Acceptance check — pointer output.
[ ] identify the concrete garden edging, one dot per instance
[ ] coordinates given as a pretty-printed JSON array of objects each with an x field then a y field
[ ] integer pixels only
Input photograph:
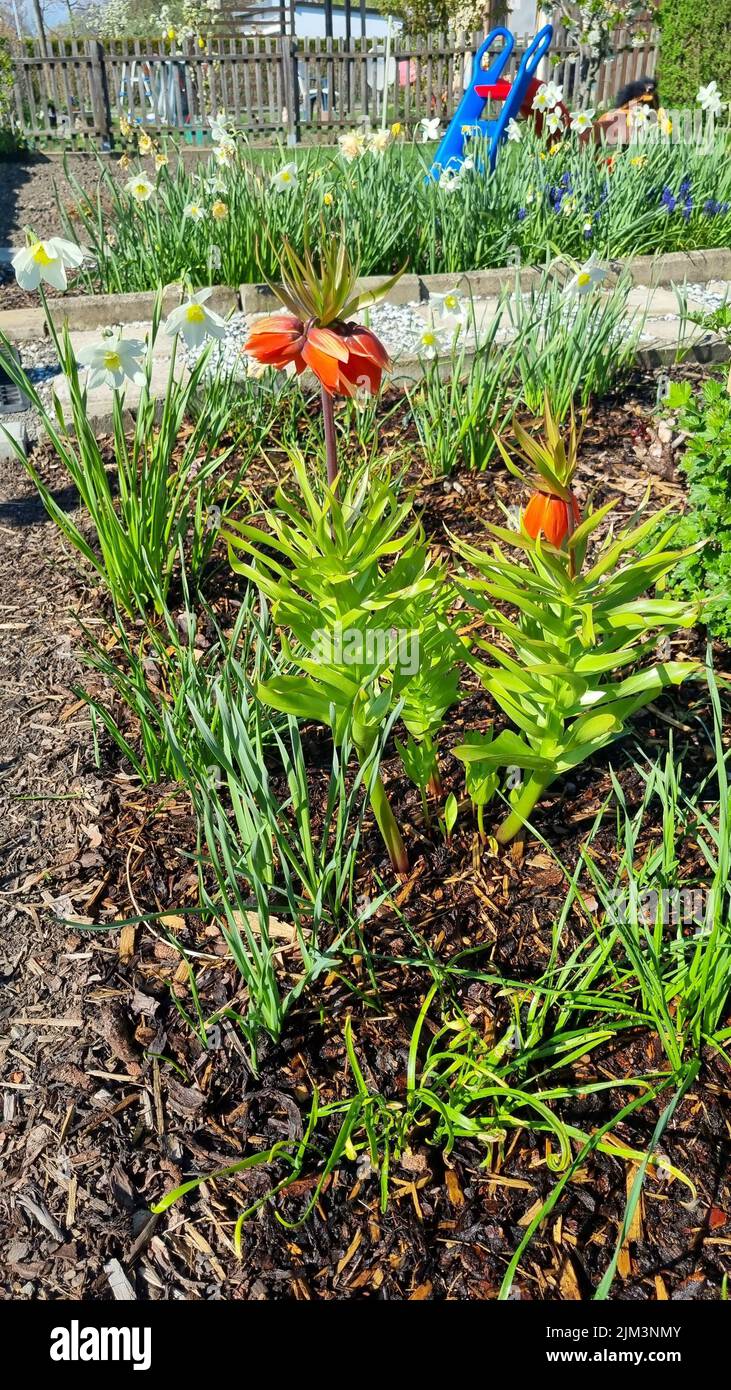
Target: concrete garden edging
[
  {"x": 86, "y": 315},
  {"x": 99, "y": 310}
]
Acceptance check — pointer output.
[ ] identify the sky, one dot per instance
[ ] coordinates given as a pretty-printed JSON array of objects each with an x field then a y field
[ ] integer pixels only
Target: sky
[{"x": 522, "y": 18}]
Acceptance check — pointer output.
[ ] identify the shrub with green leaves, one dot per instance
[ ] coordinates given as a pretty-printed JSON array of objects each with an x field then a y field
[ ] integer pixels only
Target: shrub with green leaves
[
  {"x": 694, "y": 49},
  {"x": 705, "y": 574}
]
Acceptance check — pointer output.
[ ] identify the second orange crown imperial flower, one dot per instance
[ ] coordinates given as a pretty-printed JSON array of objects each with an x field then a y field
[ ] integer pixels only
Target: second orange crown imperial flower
[{"x": 551, "y": 516}]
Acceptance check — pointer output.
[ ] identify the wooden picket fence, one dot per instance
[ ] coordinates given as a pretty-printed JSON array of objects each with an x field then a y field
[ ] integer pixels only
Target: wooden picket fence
[{"x": 76, "y": 91}]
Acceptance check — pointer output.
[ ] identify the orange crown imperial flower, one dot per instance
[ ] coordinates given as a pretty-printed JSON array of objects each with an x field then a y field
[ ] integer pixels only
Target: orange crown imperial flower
[
  {"x": 552, "y": 511},
  {"x": 314, "y": 332},
  {"x": 552, "y": 516},
  {"x": 343, "y": 356}
]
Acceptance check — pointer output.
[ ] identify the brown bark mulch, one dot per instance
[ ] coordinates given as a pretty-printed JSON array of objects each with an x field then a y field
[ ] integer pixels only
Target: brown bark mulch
[{"x": 110, "y": 1098}]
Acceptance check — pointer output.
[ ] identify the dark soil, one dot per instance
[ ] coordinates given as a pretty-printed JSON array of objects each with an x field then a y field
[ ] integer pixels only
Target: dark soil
[
  {"x": 29, "y": 189},
  {"x": 110, "y": 1099}
]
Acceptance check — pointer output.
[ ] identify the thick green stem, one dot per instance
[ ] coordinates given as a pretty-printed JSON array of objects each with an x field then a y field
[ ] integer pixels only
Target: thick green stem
[
  {"x": 331, "y": 446},
  {"x": 388, "y": 827},
  {"x": 533, "y": 789}
]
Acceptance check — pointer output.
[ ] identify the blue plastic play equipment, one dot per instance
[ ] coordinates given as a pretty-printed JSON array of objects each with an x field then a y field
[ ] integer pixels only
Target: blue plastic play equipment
[{"x": 485, "y": 84}]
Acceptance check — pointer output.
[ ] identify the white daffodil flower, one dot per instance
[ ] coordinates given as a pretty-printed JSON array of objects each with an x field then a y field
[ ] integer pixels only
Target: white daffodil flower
[
  {"x": 448, "y": 304},
  {"x": 709, "y": 99},
  {"x": 221, "y": 132},
  {"x": 224, "y": 154},
  {"x": 140, "y": 188},
  {"x": 554, "y": 122},
  {"x": 430, "y": 342},
  {"x": 429, "y": 129},
  {"x": 193, "y": 322},
  {"x": 379, "y": 141},
  {"x": 195, "y": 212},
  {"x": 285, "y": 180},
  {"x": 113, "y": 361},
  {"x": 547, "y": 96},
  {"x": 639, "y": 117},
  {"x": 468, "y": 164},
  {"x": 587, "y": 277},
  {"x": 449, "y": 180},
  {"x": 351, "y": 144},
  {"x": 512, "y": 130},
  {"x": 581, "y": 120},
  {"x": 46, "y": 260}
]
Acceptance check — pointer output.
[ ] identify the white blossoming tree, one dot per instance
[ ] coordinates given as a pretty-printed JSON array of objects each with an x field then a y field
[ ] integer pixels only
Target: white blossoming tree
[
  {"x": 593, "y": 25},
  {"x": 176, "y": 19}
]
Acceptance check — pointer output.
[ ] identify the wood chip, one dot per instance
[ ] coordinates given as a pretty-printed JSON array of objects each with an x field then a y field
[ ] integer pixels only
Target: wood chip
[
  {"x": 568, "y": 1283},
  {"x": 347, "y": 1257},
  {"x": 423, "y": 1291},
  {"x": 119, "y": 1283},
  {"x": 454, "y": 1191},
  {"x": 127, "y": 942}
]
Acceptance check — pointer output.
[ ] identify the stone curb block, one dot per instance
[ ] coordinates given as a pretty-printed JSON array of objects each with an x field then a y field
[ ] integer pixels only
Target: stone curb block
[
  {"x": 100, "y": 310},
  {"x": 17, "y": 429},
  {"x": 23, "y": 325},
  {"x": 97, "y": 311},
  {"x": 666, "y": 354},
  {"x": 678, "y": 267}
]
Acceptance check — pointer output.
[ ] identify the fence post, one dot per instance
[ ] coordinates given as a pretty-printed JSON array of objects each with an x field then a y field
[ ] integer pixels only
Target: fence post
[
  {"x": 100, "y": 93},
  {"x": 288, "y": 50}
]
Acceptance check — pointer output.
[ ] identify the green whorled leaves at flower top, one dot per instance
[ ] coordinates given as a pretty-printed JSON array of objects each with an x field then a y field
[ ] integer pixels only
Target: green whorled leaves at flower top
[
  {"x": 364, "y": 608},
  {"x": 324, "y": 287},
  {"x": 557, "y": 674}
]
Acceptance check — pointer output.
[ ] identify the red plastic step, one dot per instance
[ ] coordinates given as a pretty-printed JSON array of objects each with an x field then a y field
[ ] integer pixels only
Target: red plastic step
[{"x": 495, "y": 89}]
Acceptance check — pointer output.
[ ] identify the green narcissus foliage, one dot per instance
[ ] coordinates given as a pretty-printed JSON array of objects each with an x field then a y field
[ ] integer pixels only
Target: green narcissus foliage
[{"x": 570, "y": 201}]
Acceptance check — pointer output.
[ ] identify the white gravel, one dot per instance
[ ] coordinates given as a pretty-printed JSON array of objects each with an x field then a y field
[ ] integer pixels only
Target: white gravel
[
  {"x": 400, "y": 327},
  {"x": 397, "y": 325},
  {"x": 39, "y": 361},
  {"x": 710, "y": 296}
]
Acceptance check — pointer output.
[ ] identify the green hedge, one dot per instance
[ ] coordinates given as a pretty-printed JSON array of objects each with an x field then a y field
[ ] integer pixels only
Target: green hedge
[
  {"x": 7, "y": 138},
  {"x": 694, "y": 49}
]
